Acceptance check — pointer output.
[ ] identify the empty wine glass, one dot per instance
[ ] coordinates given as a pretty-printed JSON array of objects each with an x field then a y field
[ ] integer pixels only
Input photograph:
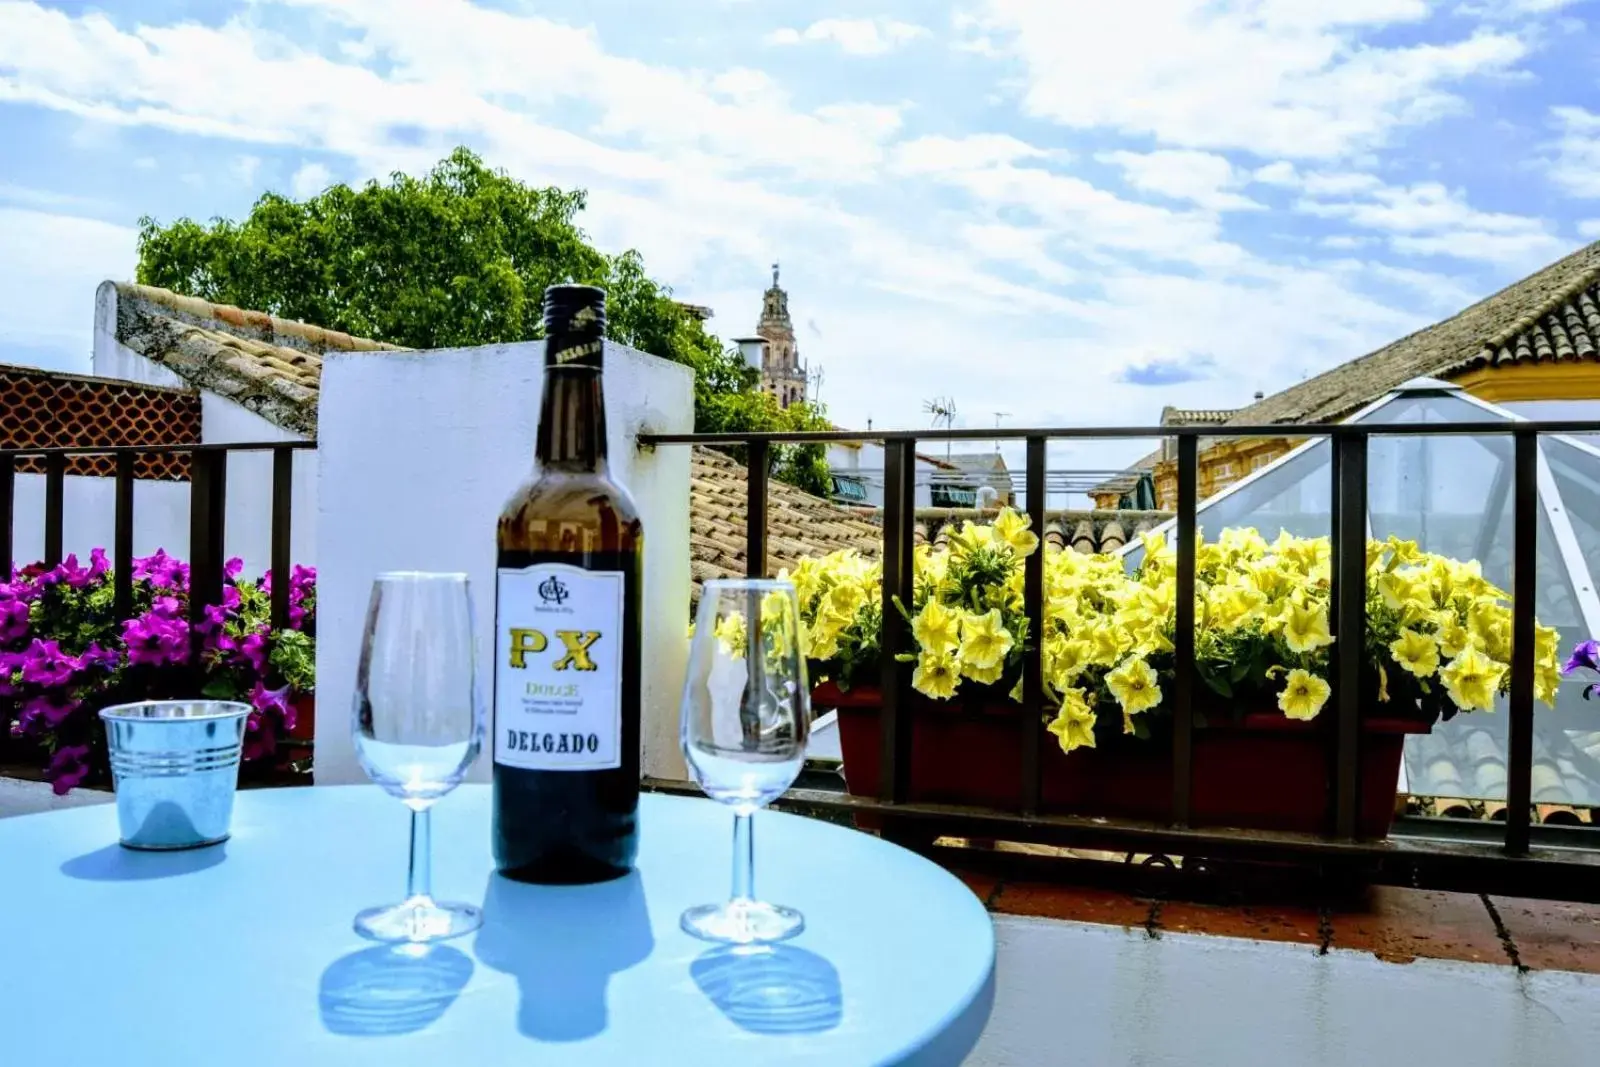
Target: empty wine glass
[
  {"x": 746, "y": 716},
  {"x": 418, "y": 727}
]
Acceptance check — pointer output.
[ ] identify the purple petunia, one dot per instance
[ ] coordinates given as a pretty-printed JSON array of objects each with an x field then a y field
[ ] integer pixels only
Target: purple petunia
[
  {"x": 105, "y": 658},
  {"x": 46, "y": 712},
  {"x": 253, "y": 650},
  {"x": 13, "y": 620},
  {"x": 68, "y": 768},
  {"x": 232, "y": 568},
  {"x": 44, "y": 664},
  {"x": 10, "y": 663},
  {"x": 167, "y": 607},
  {"x": 1587, "y": 654},
  {"x": 156, "y": 640}
]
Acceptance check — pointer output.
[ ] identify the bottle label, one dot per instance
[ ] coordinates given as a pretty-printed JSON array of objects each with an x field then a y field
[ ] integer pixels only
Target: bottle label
[{"x": 558, "y": 668}]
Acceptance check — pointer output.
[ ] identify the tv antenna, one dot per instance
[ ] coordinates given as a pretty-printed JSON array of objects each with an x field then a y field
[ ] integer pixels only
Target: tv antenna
[
  {"x": 814, "y": 382},
  {"x": 943, "y": 409}
]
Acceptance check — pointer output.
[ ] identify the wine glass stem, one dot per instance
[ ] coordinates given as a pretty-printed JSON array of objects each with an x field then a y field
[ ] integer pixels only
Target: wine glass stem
[
  {"x": 419, "y": 876},
  {"x": 744, "y": 857}
]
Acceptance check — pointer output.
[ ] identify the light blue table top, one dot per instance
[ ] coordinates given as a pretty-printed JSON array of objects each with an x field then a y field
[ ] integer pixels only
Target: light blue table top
[{"x": 242, "y": 954}]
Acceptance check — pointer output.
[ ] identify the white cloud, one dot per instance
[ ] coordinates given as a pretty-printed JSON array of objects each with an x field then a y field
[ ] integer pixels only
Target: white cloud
[
  {"x": 1589, "y": 229},
  {"x": 246, "y": 168},
  {"x": 1287, "y": 78},
  {"x": 49, "y": 267},
  {"x": 931, "y": 155},
  {"x": 1576, "y": 166},
  {"x": 856, "y": 37},
  {"x": 1429, "y": 219},
  {"x": 310, "y": 179},
  {"x": 1200, "y": 177}
]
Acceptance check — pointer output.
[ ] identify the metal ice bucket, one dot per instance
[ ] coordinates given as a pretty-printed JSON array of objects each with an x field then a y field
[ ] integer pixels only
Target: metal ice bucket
[{"x": 175, "y": 765}]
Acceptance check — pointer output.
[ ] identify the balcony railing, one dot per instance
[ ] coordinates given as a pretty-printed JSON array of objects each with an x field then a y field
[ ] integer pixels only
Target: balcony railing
[
  {"x": 208, "y": 495},
  {"x": 1518, "y": 859}
]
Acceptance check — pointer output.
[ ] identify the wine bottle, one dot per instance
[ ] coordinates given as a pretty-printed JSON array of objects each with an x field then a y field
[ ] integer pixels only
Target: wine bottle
[{"x": 567, "y": 629}]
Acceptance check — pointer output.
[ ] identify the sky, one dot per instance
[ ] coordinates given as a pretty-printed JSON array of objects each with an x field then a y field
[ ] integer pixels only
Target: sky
[{"x": 1055, "y": 212}]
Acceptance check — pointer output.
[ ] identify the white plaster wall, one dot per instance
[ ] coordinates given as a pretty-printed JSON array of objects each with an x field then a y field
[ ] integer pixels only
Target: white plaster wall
[
  {"x": 867, "y": 463},
  {"x": 88, "y": 517},
  {"x": 249, "y": 496},
  {"x": 417, "y": 454}
]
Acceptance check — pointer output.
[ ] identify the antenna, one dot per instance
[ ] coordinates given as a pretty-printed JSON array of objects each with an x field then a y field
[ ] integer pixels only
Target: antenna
[
  {"x": 943, "y": 409},
  {"x": 814, "y": 382}
]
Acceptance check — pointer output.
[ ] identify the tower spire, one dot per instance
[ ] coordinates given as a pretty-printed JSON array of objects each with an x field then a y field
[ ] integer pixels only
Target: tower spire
[{"x": 774, "y": 274}]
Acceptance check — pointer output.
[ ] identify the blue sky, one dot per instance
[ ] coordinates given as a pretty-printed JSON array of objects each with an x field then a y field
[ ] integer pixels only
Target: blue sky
[{"x": 1065, "y": 210}]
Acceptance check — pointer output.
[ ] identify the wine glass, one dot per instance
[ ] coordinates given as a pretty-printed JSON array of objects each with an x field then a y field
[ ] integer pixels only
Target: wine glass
[
  {"x": 418, "y": 727},
  {"x": 746, "y": 715}
]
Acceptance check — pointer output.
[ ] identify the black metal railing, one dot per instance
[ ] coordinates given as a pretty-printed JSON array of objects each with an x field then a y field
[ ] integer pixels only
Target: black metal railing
[
  {"x": 208, "y": 496},
  {"x": 1524, "y": 860}
]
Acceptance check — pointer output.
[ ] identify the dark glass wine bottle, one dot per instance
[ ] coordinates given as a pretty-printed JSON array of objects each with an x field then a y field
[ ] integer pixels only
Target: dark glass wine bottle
[{"x": 567, "y": 630}]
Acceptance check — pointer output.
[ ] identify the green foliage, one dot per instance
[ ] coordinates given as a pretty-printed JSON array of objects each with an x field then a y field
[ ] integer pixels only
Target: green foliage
[{"x": 460, "y": 256}]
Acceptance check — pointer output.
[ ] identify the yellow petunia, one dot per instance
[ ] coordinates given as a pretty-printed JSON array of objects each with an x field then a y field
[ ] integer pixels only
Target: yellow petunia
[
  {"x": 1415, "y": 652},
  {"x": 845, "y": 599},
  {"x": 1472, "y": 679},
  {"x": 1305, "y": 627},
  {"x": 1064, "y": 659},
  {"x": 984, "y": 640},
  {"x": 937, "y": 629},
  {"x": 1451, "y": 637},
  {"x": 1012, "y": 528},
  {"x": 730, "y": 633},
  {"x": 1074, "y": 723},
  {"x": 1303, "y": 695},
  {"x": 936, "y": 676},
  {"x": 1134, "y": 685}
]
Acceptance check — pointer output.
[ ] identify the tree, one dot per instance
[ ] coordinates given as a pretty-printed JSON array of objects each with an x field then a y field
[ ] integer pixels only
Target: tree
[{"x": 460, "y": 256}]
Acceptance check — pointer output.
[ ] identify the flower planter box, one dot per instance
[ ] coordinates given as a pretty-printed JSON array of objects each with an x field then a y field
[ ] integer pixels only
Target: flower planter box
[{"x": 1263, "y": 772}]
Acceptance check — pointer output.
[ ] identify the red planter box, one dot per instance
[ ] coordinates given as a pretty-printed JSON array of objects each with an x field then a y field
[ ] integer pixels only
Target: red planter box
[{"x": 1265, "y": 773}]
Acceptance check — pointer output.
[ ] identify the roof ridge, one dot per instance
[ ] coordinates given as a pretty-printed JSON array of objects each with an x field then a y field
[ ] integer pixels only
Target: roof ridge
[{"x": 259, "y": 325}]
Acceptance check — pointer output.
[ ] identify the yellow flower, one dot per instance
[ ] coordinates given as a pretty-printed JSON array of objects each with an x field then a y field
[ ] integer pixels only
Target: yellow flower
[
  {"x": 730, "y": 633},
  {"x": 1012, "y": 528},
  {"x": 1303, "y": 695},
  {"x": 846, "y": 599},
  {"x": 936, "y": 676},
  {"x": 1074, "y": 723},
  {"x": 1135, "y": 686},
  {"x": 1415, "y": 652},
  {"x": 1305, "y": 627},
  {"x": 937, "y": 628},
  {"x": 1472, "y": 679},
  {"x": 984, "y": 640},
  {"x": 983, "y": 675},
  {"x": 1453, "y": 638},
  {"x": 1064, "y": 659},
  {"x": 1547, "y": 663},
  {"x": 970, "y": 538}
]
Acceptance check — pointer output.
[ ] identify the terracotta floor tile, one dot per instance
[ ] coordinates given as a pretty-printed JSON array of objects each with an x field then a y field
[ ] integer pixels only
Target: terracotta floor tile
[
  {"x": 1264, "y": 922},
  {"x": 1553, "y": 935},
  {"x": 1402, "y": 925},
  {"x": 1078, "y": 903},
  {"x": 982, "y": 885}
]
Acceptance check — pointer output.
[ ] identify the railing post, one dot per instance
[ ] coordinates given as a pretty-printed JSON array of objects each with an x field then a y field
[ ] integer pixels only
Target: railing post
[
  {"x": 122, "y": 538},
  {"x": 1183, "y": 633},
  {"x": 1032, "y": 651},
  {"x": 282, "y": 527},
  {"x": 1348, "y": 604},
  {"x": 8, "y": 502},
  {"x": 1524, "y": 586},
  {"x": 207, "y": 525},
  {"x": 755, "y": 513},
  {"x": 55, "y": 494},
  {"x": 899, "y": 506}
]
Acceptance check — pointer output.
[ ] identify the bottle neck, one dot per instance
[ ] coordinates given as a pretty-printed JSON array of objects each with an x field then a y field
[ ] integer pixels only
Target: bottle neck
[{"x": 572, "y": 420}]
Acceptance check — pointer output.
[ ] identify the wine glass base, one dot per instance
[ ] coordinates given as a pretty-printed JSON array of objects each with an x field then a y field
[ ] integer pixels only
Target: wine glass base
[
  {"x": 417, "y": 920},
  {"x": 742, "y": 922}
]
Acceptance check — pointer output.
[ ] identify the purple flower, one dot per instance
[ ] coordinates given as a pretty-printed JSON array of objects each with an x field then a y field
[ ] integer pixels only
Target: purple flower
[
  {"x": 232, "y": 568},
  {"x": 253, "y": 649},
  {"x": 44, "y": 664},
  {"x": 156, "y": 640},
  {"x": 230, "y": 597},
  {"x": 105, "y": 658},
  {"x": 21, "y": 589},
  {"x": 10, "y": 662},
  {"x": 264, "y": 699},
  {"x": 46, "y": 712},
  {"x": 1587, "y": 654},
  {"x": 261, "y": 736},
  {"x": 75, "y": 576},
  {"x": 68, "y": 768},
  {"x": 167, "y": 607},
  {"x": 13, "y": 620},
  {"x": 98, "y": 563}
]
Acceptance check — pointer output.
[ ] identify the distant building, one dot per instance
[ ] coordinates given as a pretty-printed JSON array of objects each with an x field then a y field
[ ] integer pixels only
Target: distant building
[{"x": 782, "y": 373}]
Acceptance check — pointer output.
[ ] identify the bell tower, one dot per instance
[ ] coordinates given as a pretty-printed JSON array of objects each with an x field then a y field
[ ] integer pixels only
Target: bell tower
[{"x": 782, "y": 374}]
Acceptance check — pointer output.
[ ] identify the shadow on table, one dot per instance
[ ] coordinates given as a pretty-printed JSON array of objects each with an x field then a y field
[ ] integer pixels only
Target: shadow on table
[
  {"x": 772, "y": 989},
  {"x": 117, "y": 864},
  {"x": 391, "y": 989},
  {"x": 563, "y": 944}
]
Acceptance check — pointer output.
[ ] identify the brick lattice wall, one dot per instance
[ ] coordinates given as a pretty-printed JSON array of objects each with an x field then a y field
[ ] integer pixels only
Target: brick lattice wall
[{"x": 39, "y": 409}]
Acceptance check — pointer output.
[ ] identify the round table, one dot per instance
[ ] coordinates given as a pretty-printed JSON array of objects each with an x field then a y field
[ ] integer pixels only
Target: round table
[{"x": 242, "y": 954}]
